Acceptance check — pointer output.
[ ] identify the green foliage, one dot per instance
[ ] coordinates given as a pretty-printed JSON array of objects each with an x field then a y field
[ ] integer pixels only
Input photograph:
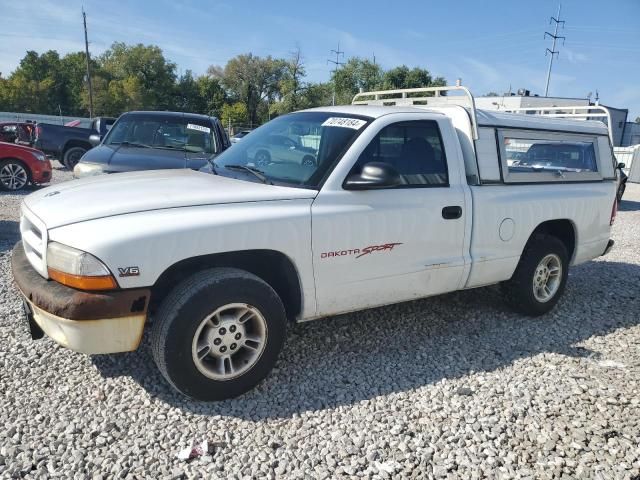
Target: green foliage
[
  {"x": 234, "y": 113},
  {"x": 249, "y": 89},
  {"x": 357, "y": 74}
]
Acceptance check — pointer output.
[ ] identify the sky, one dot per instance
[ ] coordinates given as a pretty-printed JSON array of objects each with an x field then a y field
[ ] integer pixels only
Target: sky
[{"x": 491, "y": 45}]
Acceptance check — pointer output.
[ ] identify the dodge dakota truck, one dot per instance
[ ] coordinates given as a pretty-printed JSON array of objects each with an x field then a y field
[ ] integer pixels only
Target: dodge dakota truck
[{"x": 411, "y": 194}]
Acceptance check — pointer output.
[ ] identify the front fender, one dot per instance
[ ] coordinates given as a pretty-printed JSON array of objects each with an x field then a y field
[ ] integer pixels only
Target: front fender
[{"x": 152, "y": 241}]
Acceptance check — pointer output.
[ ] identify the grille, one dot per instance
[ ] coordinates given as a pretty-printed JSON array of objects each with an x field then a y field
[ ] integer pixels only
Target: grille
[{"x": 34, "y": 240}]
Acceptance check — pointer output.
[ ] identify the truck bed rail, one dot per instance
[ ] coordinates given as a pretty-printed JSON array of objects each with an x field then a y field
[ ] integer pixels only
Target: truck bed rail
[{"x": 577, "y": 112}]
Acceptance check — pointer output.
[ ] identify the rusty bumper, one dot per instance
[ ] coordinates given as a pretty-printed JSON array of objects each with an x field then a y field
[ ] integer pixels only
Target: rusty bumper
[{"x": 88, "y": 322}]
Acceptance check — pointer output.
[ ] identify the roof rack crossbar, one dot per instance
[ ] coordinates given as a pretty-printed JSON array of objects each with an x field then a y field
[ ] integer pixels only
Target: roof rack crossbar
[
  {"x": 385, "y": 97},
  {"x": 585, "y": 112}
]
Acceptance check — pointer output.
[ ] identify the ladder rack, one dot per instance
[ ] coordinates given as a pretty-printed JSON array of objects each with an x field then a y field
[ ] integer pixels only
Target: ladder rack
[
  {"x": 401, "y": 97},
  {"x": 578, "y": 112}
]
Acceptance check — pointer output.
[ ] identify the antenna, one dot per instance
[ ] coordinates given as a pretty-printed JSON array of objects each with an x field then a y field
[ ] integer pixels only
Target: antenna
[
  {"x": 86, "y": 50},
  {"x": 553, "y": 50},
  {"x": 336, "y": 64}
]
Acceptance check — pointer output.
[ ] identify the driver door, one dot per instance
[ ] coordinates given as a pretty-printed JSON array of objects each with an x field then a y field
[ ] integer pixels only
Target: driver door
[{"x": 380, "y": 246}]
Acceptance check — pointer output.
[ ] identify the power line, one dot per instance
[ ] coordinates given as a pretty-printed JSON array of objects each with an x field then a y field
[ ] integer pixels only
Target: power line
[
  {"x": 336, "y": 64},
  {"x": 553, "y": 50},
  {"x": 86, "y": 50}
]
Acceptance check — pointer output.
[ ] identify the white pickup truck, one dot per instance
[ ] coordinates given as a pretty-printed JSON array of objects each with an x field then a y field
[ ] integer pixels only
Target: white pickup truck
[{"x": 401, "y": 201}]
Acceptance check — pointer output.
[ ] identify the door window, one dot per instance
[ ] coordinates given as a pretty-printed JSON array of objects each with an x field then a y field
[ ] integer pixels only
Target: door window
[{"x": 413, "y": 149}]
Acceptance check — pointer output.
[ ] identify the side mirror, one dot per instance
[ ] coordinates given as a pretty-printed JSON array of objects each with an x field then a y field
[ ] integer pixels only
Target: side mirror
[
  {"x": 95, "y": 139},
  {"x": 374, "y": 175},
  {"x": 621, "y": 165}
]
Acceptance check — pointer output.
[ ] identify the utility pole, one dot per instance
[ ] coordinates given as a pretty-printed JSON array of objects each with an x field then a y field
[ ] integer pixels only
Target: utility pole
[
  {"x": 553, "y": 50},
  {"x": 336, "y": 64},
  {"x": 86, "y": 50}
]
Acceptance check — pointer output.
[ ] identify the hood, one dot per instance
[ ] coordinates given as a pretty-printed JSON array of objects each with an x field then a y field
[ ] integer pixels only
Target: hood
[
  {"x": 17, "y": 146},
  {"x": 107, "y": 195},
  {"x": 116, "y": 158}
]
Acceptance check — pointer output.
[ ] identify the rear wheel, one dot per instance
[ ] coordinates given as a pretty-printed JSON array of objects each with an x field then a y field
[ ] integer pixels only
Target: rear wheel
[
  {"x": 13, "y": 175},
  {"x": 540, "y": 277},
  {"x": 218, "y": 334},
  {"x": 72, "y": 156}
]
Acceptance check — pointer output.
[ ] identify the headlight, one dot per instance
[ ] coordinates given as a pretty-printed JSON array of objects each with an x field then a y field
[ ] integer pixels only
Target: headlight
[
  {"x": 87, "y": 170},
  {"x": 78, "y": 269},
  {"x": 39, "y": 156}
]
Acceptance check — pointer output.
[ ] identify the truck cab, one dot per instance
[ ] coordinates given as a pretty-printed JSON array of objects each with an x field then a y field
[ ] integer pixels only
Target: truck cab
[{"x": 402, "y": 201}]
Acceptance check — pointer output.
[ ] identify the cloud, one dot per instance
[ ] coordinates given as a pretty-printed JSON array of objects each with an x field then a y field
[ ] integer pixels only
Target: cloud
[{"x": 573, "y": 56}]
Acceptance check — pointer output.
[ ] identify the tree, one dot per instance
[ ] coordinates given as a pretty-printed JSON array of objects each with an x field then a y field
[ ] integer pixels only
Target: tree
[
  {"x": 253, "y": 80},
  {"x": 357, "y": 74},
  {"x": 212, "y": 95},
  {"x": 234, "y": 114},
  {"x": 144, "y": 66},
  {"x": 491, "y": 94},
  {"x": 637, "y": 119}
]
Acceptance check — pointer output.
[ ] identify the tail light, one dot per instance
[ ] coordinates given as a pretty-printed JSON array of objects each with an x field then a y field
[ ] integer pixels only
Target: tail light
[
  {"x": 38, "y": 131},
  {"x": 614, "y": 211}
]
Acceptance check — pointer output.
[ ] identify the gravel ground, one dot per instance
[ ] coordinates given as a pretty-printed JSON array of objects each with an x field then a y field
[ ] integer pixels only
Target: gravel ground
[{"x": 448, "y": 387}]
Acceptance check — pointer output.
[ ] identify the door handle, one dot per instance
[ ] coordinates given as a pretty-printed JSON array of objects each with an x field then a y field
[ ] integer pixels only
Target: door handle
[{"x": 451, "y": 212}]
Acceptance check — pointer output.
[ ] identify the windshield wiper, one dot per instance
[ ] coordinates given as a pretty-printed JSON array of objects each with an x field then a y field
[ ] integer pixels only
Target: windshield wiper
[
  {"x": 257, "y": 173},
  {"x": 131, "y": 144}
]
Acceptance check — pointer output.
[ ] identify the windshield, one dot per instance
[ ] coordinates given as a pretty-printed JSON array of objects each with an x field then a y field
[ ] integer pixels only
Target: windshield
[
  {"x": 296, "y": 149},
  {"x": 164, "y": 132}
]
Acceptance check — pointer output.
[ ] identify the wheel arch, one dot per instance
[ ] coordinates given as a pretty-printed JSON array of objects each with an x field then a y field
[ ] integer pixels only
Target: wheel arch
[
  {"x": 75, "y": 143},
  {"x": 272, "y": 266},
  {"x": 563, "y": 229}
]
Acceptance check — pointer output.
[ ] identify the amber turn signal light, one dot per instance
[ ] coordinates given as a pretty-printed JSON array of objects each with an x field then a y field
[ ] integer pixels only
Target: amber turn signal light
[{"x": 105, "y": 282}]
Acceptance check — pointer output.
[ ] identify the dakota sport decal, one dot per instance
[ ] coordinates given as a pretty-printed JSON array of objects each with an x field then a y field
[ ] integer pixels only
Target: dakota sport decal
[{"x": 360, "y": 252}]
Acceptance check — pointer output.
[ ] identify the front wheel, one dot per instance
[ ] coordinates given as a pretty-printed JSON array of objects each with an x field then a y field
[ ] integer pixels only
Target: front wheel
[
  {"x": 540, "y": 277},
  {"x": 218, "y": 334},
  {"x": 262, "y": 158},
  {"x": 13, "y": 175}
]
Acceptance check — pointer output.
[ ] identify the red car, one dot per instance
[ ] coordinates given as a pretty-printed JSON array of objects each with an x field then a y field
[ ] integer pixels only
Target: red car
[{"x": 20, "y": 165}]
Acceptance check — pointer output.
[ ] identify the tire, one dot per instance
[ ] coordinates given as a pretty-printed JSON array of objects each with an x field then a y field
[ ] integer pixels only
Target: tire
[
  {"x": 620, "y": 192},
  {"x": 72, "y": 156},
  {"x": 14, "y": 175},
  {"x": 262, "y": 158},
  {"x": 520, "y": 291},
  {"x": 309, "y": 161},
  {"x": 181, "y": 323}
]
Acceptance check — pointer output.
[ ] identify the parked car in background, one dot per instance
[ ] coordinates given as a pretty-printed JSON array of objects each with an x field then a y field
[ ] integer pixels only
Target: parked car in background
[
  {"x": 69, "y": 144},
  {"x": 281, "y": 148},
  {"x": 21, "y": 133},
  {"x": 239, "y": 136},
  {"x": 21, "y": 165},
  {"x": 403, "y": 202},
  {"x": 155, "y": 140}
]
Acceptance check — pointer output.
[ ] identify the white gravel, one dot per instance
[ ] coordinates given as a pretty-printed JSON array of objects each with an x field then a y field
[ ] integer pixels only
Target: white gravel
[{"x": 449, "y": 387}]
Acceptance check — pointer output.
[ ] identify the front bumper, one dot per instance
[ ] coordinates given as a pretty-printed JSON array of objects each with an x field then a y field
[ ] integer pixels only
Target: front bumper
[
  {"x": 87, "y": 322},
  {"x": 41, "y": 172}
]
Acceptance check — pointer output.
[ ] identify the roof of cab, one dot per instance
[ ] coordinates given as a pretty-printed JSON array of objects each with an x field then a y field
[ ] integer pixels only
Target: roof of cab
[{"x": 486, "y": 118}]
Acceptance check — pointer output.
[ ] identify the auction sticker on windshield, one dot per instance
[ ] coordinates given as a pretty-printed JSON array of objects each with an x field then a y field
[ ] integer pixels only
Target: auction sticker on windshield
[
  {"x": 200, "y": 128},
  {"x": 354, "y": 123}
]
